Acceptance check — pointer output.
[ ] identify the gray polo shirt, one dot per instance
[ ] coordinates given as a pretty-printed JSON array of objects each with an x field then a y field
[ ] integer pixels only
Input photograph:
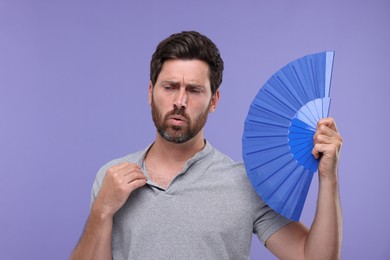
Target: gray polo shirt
[{"x": 209, "y": 211}]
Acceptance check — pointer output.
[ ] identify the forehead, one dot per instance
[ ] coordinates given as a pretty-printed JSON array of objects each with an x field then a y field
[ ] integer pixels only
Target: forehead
[{"x": 189, "y": 71}]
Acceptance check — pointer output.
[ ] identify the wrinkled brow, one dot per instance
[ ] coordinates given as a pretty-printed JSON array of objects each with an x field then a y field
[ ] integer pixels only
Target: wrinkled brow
[{"x": 177, "y": 84}]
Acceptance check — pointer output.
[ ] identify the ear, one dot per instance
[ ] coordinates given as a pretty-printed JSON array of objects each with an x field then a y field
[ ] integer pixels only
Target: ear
[
  {"x": 150, "y": 93},
  {"x": 214, "y": 101}
]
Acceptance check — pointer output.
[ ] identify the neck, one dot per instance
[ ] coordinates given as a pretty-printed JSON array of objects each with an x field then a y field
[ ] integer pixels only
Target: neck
[
  {"x": 166, "y": 159},
  {"x": 176, "y": 153}
]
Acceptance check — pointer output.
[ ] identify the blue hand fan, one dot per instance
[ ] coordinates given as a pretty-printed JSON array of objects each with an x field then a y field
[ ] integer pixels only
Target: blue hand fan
[{"x": 279, "y": 128}]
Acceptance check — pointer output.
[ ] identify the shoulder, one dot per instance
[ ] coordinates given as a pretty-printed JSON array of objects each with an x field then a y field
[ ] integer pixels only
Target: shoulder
[
  {"x": 226, "y": 164},
  {"x": 216, "y": 156},
  {"x": 232, "y": 174}
]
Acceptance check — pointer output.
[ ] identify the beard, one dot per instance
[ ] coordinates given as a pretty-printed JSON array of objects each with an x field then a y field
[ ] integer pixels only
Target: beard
[{"x": 178, "y": 134}]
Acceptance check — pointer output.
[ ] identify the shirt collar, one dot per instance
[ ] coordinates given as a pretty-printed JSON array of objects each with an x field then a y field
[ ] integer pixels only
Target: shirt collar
[
  {"x": 198, "y": 156},
  {"x": 207, "y": 149}
]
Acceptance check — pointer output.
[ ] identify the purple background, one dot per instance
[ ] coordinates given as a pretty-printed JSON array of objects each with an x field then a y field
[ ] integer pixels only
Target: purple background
[{"x": 74, "y": 78}]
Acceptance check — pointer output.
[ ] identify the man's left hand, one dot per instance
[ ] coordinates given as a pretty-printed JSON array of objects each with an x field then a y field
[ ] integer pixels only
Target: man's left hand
[{"x": 327, "y": 146}]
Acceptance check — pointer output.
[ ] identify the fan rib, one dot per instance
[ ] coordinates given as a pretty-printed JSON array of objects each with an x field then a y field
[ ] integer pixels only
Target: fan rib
[
  {"x": 276, "y": 188},
  {"x": 265, "y": 149},
  {"x": 300, "y": 84},
  {"x": 276, "y": 90},
  {"x": 267, "y": 124},
  {"x": 315, "y": 78},
  {"x": 288, "y": 90},
  {"x": 313, "y": 111},
  {"x": 292, "y": 190},
  {"x": 284, "y": 104},
  {"x": 273, "y": 159},
  {"x": 328, "y": 71},
  {"x": 271, "y": 112},
  {"x": 264, "y": 136},
  {"x": 302, "y": 152},
  {"x": 316, "y": 108},
  {"x": 304, "y": 117},
  {"x": 274, "y": 172},
  {"x": 301, "y": 128}
]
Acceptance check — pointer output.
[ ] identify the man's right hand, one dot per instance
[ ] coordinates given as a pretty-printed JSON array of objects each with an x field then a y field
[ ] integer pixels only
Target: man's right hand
[{"x": 118, "y": 183}]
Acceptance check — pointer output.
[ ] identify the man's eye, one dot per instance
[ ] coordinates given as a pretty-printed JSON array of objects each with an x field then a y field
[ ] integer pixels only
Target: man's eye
[
  {"x": 168, "y": 87},
  {"x": 196, "y": 90}
]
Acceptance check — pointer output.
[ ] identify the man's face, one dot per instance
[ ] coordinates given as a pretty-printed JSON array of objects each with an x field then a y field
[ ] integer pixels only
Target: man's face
[{"x": 181, "y": 99}]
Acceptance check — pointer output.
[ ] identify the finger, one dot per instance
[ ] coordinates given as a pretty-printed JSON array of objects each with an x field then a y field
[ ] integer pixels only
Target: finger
[
  {"x": 322, "y": 139},
  {"x": 326, "y": 139},
  {"x": 315, "y": 152},
  {"x": 318, "y": 149},
  {"x": 136, "y": 184},
  {"x": 129, "y": 168},
  {"x": 329, "y": 122},
  {"x": 324, "y": 129},
  {"x": 134, "y": 176},
  {"x": 330, "y": 150},
  {"x": 123, "y": 181}
]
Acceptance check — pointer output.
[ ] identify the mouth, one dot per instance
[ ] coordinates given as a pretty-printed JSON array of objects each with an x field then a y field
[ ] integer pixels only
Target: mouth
[{"x": 177, "y": 120}]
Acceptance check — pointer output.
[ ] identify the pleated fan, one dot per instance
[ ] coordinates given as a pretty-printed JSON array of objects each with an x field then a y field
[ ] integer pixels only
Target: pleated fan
[{"x": 278, "y": 133}]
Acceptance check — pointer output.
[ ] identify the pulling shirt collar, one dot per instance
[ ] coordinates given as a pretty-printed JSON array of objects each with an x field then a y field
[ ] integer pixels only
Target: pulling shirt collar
[{"x": 197, "y": 157}]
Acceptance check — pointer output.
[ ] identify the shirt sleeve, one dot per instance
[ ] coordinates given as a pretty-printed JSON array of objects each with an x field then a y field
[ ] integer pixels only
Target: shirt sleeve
[
  {"x": 268, "y": 222},
  {"x": 97, "y": 185}
]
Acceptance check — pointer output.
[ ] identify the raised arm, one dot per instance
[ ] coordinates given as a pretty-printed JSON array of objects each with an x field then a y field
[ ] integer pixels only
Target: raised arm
[
  {"x": 323, "y": 240},
  {"x": 118, "y": 183}
]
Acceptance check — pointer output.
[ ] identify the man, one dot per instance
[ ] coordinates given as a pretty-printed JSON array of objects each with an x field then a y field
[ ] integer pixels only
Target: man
[{"x": 182, "y": 199}]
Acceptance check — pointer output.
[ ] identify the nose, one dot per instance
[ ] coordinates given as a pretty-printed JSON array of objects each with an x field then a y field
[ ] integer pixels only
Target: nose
[{"x": 181, "y": 99}]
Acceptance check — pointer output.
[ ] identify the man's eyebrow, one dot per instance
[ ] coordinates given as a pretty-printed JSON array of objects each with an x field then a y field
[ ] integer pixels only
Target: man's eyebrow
[
  {"x": 176, "y": 83},
  {"x": 170, "y": 82},
  {"x": 195, "y": 85}
]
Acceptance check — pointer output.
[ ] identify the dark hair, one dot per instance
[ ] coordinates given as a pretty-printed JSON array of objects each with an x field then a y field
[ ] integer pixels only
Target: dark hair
[{"x": 188, "y": 45}]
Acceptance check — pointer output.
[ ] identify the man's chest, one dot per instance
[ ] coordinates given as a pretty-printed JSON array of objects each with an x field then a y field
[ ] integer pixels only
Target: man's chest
[
  {"x": 204, "y": 211},
  {"x": 199, "y": 216}
]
